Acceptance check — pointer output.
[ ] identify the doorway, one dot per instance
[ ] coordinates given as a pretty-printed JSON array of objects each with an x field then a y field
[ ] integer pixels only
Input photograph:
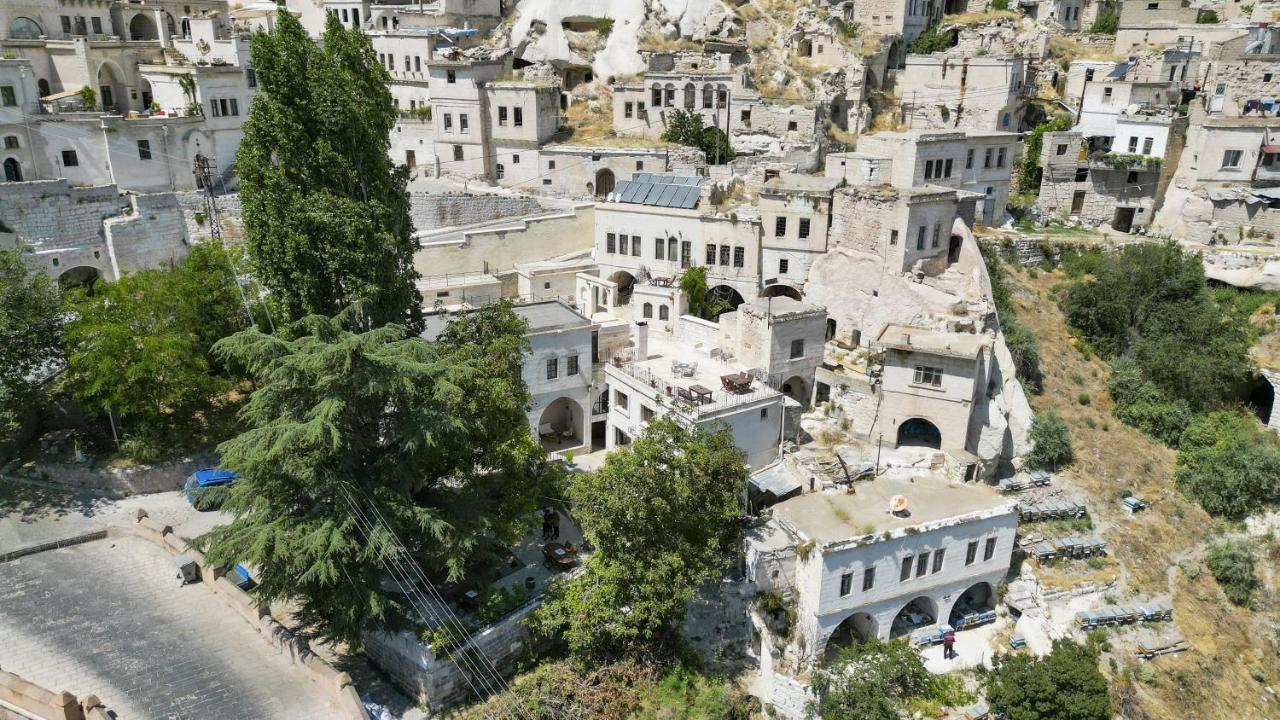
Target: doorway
[
  {"x": 410, "y": 159},
  {"x": 1077, "y": 202},
  {"x": 1124, "y": 220}
]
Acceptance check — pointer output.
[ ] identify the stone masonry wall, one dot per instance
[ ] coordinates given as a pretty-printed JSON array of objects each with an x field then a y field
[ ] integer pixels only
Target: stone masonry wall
[
  {"x": 153, "y": 235},
  {"x": 197, "y": 225},
  {"x": 430, "y": 211},
  {"x": 1244, "y": 81},
  {"x": 862, "y": 218},
  {"x": 52, "y": 215}
]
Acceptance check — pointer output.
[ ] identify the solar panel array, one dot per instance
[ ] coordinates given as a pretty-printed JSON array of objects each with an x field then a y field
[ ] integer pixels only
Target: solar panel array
[{"x": 675, "y": 191}]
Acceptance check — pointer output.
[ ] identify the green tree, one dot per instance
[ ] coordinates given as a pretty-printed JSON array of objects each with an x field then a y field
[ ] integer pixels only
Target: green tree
[
  {"x": 871, "y": 680},
  {"x": 1051, "y": 442},
  {"x": 1207, "y": 17},
  {"x": 140, "y": 349},
  {"x": 663, "y": 516},
  {"x": 30, "y": 338},
  {"x": 325, "y": 211},
  {"x": 1232, "y": 564},
  {"x": 686, "y": 127},
  {"x": 702, "y": 302},
  {"x": 433, "y": 435},
  {"x": 1228, "y": 464},
  {"x": 1023, "y": 346},
  {"x": 1064, "y": 685},
  {"x": 1107, "y": 20},
  {"x": 933, "y": 39}
]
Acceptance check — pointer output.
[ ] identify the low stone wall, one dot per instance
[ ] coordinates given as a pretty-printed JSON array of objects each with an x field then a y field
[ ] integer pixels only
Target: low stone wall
[
  {"x": 136, "y": 480},
  {"x": 32, "y": 700},
  {"x": 338, "y": 683},
  {"x": 431, "y": 211}
]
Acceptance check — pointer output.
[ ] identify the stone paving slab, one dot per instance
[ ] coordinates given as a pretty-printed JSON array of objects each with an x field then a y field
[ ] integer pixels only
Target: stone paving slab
[{"x": 108, "y": 618}]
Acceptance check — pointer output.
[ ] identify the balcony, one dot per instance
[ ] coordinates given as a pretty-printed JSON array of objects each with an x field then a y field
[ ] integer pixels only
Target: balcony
[{"x": 1099, "y": 160}]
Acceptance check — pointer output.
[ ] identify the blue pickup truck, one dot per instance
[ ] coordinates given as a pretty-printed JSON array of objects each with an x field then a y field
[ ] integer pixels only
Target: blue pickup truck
[{"x": 206, "y": 488}]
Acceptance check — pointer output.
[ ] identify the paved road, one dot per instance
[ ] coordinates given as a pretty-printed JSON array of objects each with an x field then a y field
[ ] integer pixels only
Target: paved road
[{"x": 108, "y": 618}]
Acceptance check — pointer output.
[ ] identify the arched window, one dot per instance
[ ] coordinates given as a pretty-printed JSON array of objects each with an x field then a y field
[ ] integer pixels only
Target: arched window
[
  {"x": 648, "y": 310},
  {"x": 690, "y": 96},
  {"x": 664, "y": 312},
  {"x": 1004, "y": 122},
  {"x": 500, "y": 171},
  {"x": 673, "y": 249},
  {"x": 670, "y": 99},
  {"x": 708, "y": 96},
  {"x": 43, "y": 85},
  {"x": 13, "y": 173},
  {"x": 656, "y": 100},
  {"x": 24, "y": 28}
]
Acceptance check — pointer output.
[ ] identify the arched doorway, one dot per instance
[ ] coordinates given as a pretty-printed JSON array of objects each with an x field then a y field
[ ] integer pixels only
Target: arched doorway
[
  {"x": 797, "y": 389},
  {"x": 560, "y": 425},
  {"x": 977, "y": 599},
  {"x": 857, "y": 628},
  {"x": 12, "y": 170},
  {"x": 144, "y": 94},
  {"x": 604, "y": 182},
  {"x": 920, "y": 612},
  {"x": 953, "y": 249},
  {"x": 897, "y": 56},
  {"x": 43, "y": 86},
  {"x": 732, "y": 298},
  {"x": 626, "y": 282},
  {"x": 81, "y": 275},
  {"x": 111, "y": 87},
  {"x": 1262, "y": 398},
  {"x": 142, "y": 27},
  {"x": 779, "y": 290},
  {"x": 831, "y": 328},
  {"x": 918, "y": 432}
]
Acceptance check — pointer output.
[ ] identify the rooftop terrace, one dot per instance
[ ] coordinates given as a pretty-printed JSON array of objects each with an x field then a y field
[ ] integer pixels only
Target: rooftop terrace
[{"x": 681, "y": 372}]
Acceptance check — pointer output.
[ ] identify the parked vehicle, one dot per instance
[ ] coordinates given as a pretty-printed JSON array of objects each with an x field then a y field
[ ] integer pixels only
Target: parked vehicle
[{"x": 206, "y": 488}]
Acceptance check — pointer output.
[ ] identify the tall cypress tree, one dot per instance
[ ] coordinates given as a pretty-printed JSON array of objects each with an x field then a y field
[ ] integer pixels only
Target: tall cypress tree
[{"x": 325, "y": 210}]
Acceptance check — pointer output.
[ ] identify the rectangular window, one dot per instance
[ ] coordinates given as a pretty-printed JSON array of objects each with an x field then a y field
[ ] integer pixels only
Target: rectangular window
[
  {"x": 868, "y": 578},
  {"x": 628, "y": 109},
  {"x": 905, "y": 575},
  {"x": 69, "y": 158},
  {"x": 551, "y": 164},
  {"x": 250, "y": 77},
  {"x": 417, "y": 63},
  {"x": 920, "y": 237},
  {"x": 938, "y": 555},
  {"x": 66, "y": 24},
  {"x": 646, "y": 413},
  {"x": 406, "y": 63},
  {"x": 610, "y": 243},
  {"x": 779, "y": 227},
  {"x": 1231, "y": 158},
  {"x": 686, "y": 253},
  {"x": 986, "y": 159},
  {"x": 8, "y": 97},
  {"x": 711, "y": 254},
  {"x": 515, "y": 158},
  {"x": 213, "y": 108},
  {"x": 989, "y": 551},
  {"x": 1061, "y": 149},
  {"x": 448, "y": 122},
  {"x": 946, "y": 172},
  {"x": 517, "y": 117},
  {"x": 1133, "y": 144},
  {"x": 502, "y": 114},
  {"x": 457, "y": 153},
  {"x": 639, "y": 165},
  {"x": 621, "y": 401},
  {"x": 968, "y": 160},
  {"x": 926, "y": 375},
  {"x": 971, "y": 554},
  {"x": 724, "y": 255},
  {"x": 937, "y": 231},
  {"x": 783, "y": 265},
  {"x": 659, "y": 247},
  {"x": 144, "y": 149},
  {"x": 893, "y": 237},
  {"x": 739, "y": 255},
  {"x": 922, "y": 564},
  {"x": 572, "y": 368},
  {"x": 97, "y": 25},
  {"x": 1146, "y": 145},
  {"x": 797, "y": 349},
  {"x": 462, "y": 123},
  {"x": 635, "y": 246},
  {"x": 1106, "y": 95},
  {"x": 235, "y": 107},
  {"x": 928, "y": 169},
  {"x": 1082, "y": 174},
  {"x": 1000, "y": 157},
  {"x": 846, "y": 584},
  {"x": 450, "y": 77},
  {"x": 553, "y": 368},
  {"x": 11, "y": 142},
  {"x": 804, "y": 227}
]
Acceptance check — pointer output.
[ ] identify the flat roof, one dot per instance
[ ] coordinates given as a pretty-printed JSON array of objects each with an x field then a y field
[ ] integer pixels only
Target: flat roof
[
  {"x": 831, "y": 516},
  {"x": 920, "y": 339},
  {"x": 783, "y": 305},
  {"x": 542, "y": 316},
  {"x": 803, "y": 183}
]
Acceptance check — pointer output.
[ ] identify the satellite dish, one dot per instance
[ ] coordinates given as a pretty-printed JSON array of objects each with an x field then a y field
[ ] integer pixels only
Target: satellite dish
[{"x": 898, "y": 504}]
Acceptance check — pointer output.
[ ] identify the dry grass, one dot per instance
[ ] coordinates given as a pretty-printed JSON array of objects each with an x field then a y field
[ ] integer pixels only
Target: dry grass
[
  {"x": 1066, "y": 50},
  {"x": 1213, "y": 679},
  {"x": 654, "y": 41},
  {"x": 982, "y": 18},
  {"x": 842, "y": 136}
]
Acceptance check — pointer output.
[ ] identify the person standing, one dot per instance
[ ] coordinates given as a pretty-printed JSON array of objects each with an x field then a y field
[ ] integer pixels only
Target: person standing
[
  {"x": 948, "y": 646},
  {"x": 546, "y": 523},
  {"x": 555, "y": 525}
]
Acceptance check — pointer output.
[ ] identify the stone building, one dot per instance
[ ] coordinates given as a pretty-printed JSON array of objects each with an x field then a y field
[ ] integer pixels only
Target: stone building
[
  {"x": 795, "y": 219},
  {"x": 782, "y": 337},
  {"x": 981, "y": 92},
  {"x": 911, "y": 229}
]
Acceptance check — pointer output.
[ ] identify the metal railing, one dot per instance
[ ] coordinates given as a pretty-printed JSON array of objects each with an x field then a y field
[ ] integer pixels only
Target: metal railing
[{"x": 720, "y": 399}]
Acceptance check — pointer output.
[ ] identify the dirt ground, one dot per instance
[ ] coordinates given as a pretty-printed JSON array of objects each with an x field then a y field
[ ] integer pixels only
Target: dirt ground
[{"x": 1235, "y": 660}]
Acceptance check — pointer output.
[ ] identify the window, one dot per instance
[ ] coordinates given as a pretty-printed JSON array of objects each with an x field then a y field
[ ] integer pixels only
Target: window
[
  {"x": 905, "y": 575},
  {"x": 1133, "y": 144},
  {"x": 621, "y": 401},
  {"x": 450, "y": 77},
  {"x": 1231, "y": 158},
  {"x": 1153, "y": 6},
  {"x": 658, "y": 246},
  {"x": 922, "y": 563},
  {"x": 635, "y": 246},
  {"x": 628, "y": 109},
  {"x": 1266, "y": 77},
  {"x": 1088, "y": 75},
  {"x": 673, "y": 249},
  {"x": 764, "y": 413},
  {"x": 947, "y": 168},
  {"x": 724, "y": 255},
  {"x": 406, "y": 63},
  {"x": 1005, "y": 120},
  {"x": 553, "y": 368},
  {"x": 989, "y": 551},
  {"x": 457, "y": 153},
  {"x": 144, "y": 149},
  {"x": 745, "y": 117},
  {"x": 1146, "y": 145},
  {"x": 779, "y": 227},
  {"x": 791, "y": 125},
  {"x": 971, "y": 553},
  {"x": 968, "y": 159},
  {"x": 783, "y": 264},
  {"x": 926, "y": 375},
  {"x": 893, "y": 237},
  {"x": 462, "y": 123},
  {"x": 920, "y": 237},
  {"x": 517, "y": 117},
  {"x": 986, "y": 159},
  {"x": 868, "y": 578},
  {"x": 1268, "y": 159},
  {"x": 448, "y": 122},
  {"x": 664, "y": 313},
  {"x": 250, "y": 77},
  {"x": 1131, "y": 178},
  {"x": 711, "y": 254},
  {"x": 1061, "y": 149},
  {"x": 347, "y": 18},
  {"x": 1106, "y": 95},
  {"x": 551, "y": 164},
  {"x": 1082, "y": 174},
  {"x": 846, "y": 584},
  {"x": 502, "y": 114},
  {"x": 500, "y": 171},
  {"x": 7, "y": 96},
  {"x": 739, "y": 255},
  {"x": 639, "y": 165},
  {"x": 797, "y": 349},
  {"x": 546, "y": 181},
  {"x": 610, "y": 243},
  {"x": 11, "y": 142},
  {"x": 937, "y": 230},
  {"x": 1000, "y": 157},
  {"x": 69, "y": 158},
  {"x": 646, "y": 413},
  {"x": 928, "y": 169},
  {"x": 515, "y": 158},
  {"x": 97, "y": 25},
  {"x": 686, "y": 253},
  {"x": 572, "y": 368},
  {"x": 938, "y": 555},
  {"x": 66, "y": 24},
  {"x": 804, "y": 227}
]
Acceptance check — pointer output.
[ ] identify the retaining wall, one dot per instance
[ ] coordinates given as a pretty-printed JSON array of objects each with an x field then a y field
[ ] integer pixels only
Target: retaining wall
[{"x": 430, "y": 211}]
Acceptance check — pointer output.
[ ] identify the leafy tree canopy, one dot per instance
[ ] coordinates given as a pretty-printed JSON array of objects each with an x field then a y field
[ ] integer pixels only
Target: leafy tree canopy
[
  {"x": 325, "y": 211},
  {"x": 871, "y": 680},
  {"x": 1232, "y": 564},
  {"x": 1228, "y": 464},
  {"x": 702, "y": 302},
  {"x": 30, "y": 335},
  {"x": 686, "y": 127},
  {"x": 432, "y": 435},
  {"x": 1064, "y": 685},
  {"x": 1051, "y": 440},
  {"x": 933, "y": 39},
  {"x": 663, "y": 516},
  {"x": 1029, "y": 171},
  {"x": 141, "y": 348}
]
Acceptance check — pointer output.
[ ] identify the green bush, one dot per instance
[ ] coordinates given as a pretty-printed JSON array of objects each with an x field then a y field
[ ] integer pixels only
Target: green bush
[
  {"x": 1228, "y": 464},
  {"x": 688, "y": 128},
  {"x": 1029, "y": 170},
  {"x": 1064, "y": 685},
  {"x": 932, "y": 40},
  {"x": 1207, "y": 17},
  {"x": 1000, "y": 5},
  {"x": 1051, "y": 442},
  {"x": 1232, "y": 564},
  {"x": 604, "y": 26},
  {"x": 1107, "y": 21},
  {"x": 1021, "y": 342}
]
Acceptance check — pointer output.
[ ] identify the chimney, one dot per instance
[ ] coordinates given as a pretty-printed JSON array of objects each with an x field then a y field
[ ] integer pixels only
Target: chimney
[{"x": 640, "y": 336}]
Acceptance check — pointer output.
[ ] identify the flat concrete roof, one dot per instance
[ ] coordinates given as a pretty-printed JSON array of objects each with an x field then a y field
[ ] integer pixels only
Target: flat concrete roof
[
  {"x": 782, "y": 305},
  {"x": 926, "y": 340},
  {"x": 832, "y": 516},
  {"x": 802, "y": 183},
  {"x": 542, "y": 316}
]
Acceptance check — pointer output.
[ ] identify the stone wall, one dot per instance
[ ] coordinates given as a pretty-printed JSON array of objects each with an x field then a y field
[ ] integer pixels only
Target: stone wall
[
  {"x": 862, "y": 218},
  {"x": 431, "y": 211},
  {"x": 1235, "y": 222},
  {"x": 135, "y": 480},
  {"x": 153, "y": 235},
  {"x": 1244, "y": 81},
  {"x": 230, "y": 213},
  {"x": 34, "y": 701},
  {"x": 501, "y": 249},
  {"x": 50, "y": 214}
]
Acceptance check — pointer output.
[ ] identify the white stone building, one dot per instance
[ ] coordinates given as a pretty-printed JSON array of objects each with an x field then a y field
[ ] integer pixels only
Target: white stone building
[
  {"x": 782, "y": 337},
  {"x": 945, "y": 91}
]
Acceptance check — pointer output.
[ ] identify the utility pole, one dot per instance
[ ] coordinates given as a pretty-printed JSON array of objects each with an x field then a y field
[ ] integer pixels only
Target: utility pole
[{"x": 206, "y": 169}]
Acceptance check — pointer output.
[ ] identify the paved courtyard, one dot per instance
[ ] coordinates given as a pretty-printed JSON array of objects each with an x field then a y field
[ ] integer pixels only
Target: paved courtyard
[{"x": 109, "y": 618}]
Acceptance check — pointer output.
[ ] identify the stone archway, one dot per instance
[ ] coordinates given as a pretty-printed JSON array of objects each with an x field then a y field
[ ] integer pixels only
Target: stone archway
[
  {"x": 980, "y": 597},
  {"x": 142, "y": 27},
  {"x": 625, "y": 282},
  {"x": 797, "y": 389},
  {"x": 857, "y": 628},
  {"x": 12, "y": 170},
  {"x": 604, "y": 182},
  {"x": 780, "y": 290},
  {"x": 560, "y": 425},
  {"x": 111, "y": 87},
  {"x": 81, "y": 275},
  {"x": 730, "y": 296},
  {"x": 918, "y": 432},
  {"x": 920, "y": 612}
]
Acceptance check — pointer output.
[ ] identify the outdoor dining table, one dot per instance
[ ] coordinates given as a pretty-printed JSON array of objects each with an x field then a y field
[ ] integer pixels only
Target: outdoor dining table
[{"x": 701, "y": 394}]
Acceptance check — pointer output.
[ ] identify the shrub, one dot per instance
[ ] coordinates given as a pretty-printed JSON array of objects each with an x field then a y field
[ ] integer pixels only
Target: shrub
[
  {"x": 688, "y": 128},
  {"x": 1232, "y": 564},
  {"x": 1000, "y": 5},
  {"x": 1207, "y": 17},
  {"x": 1051, "y": 442},
  {"x": 1029, "y": 170},
  {"x": 1228, "y": 464},
  {"x": 1064, "y": 685},
  {"x": 1107, "y": 21},
  {"x": 932, "y": 40},
  {"x": 1083, "y": 398},
  {"x": 604, "y": 26}
]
